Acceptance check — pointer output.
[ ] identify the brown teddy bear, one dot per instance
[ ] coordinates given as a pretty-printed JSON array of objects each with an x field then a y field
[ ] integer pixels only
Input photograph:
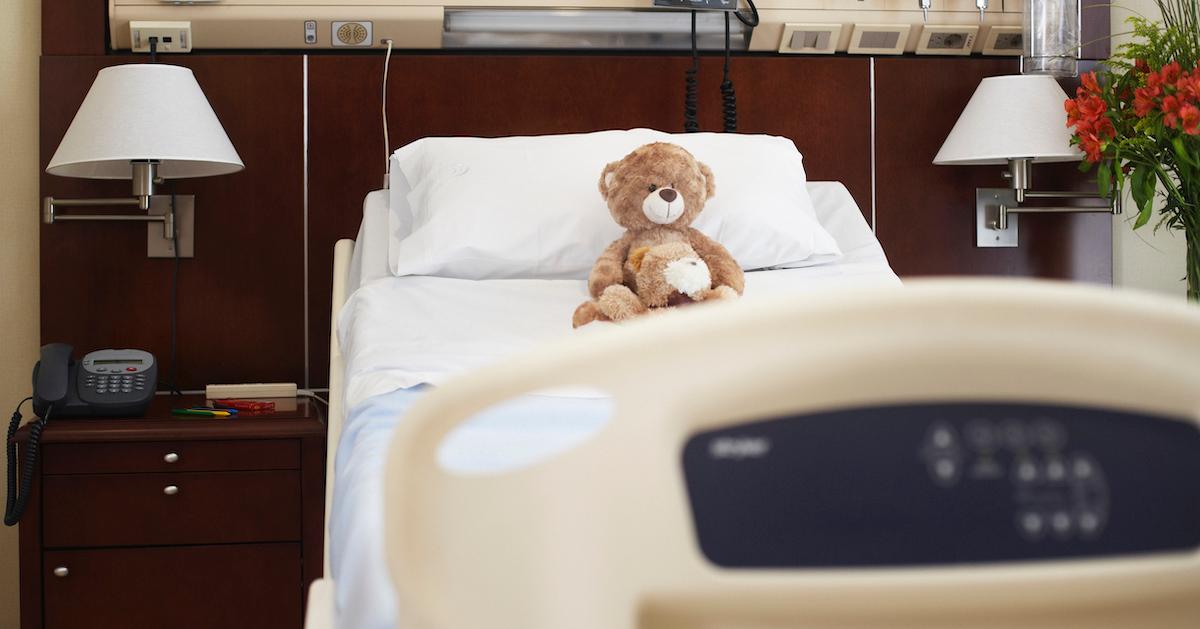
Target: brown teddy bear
[
  {"x": 666, "y": 276},
  {"x": 655, "y": 193}
]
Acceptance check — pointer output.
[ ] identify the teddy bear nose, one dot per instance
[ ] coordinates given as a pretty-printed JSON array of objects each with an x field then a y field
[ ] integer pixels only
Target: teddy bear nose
[{"x": 668, "y": 195}]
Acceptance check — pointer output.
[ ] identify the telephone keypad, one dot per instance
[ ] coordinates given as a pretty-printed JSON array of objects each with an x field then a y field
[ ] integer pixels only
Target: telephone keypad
[{"x": 115, "y": 382}]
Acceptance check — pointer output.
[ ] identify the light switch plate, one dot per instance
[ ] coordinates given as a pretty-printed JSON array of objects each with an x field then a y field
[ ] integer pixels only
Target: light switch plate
[
  {"x": 987, "y": 212},
  {"x": 172, "y": 36},
  {"x": 879, "y": 39},
  {"x": 158, "y": 246},
  {"x": 810, "y": 39}
]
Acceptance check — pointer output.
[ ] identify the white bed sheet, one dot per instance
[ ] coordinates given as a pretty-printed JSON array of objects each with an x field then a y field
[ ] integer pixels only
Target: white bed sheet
[{"x": 399, "y": 334}]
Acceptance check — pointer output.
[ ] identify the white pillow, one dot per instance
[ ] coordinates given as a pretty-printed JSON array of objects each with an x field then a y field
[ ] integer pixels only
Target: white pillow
[{"x": 530, "y": 206}]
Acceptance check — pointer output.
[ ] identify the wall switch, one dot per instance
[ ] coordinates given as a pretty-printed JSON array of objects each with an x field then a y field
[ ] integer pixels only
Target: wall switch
[
  {"x": 172, "y": 36},
  {"x": 819, "y": 39}
]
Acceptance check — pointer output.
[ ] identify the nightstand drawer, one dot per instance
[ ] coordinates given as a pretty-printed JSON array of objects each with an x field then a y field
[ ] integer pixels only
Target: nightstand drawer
[
  {"x": 247, "y": 585},
  {"x": 167, "y": 456},
  {"x": 185, "y": 508}
]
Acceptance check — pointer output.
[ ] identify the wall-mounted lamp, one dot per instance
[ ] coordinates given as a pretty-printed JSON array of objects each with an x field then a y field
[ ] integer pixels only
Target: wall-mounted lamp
[
  {"x": 146, "y": 123},
  {"x": 1017, "y": 121}
]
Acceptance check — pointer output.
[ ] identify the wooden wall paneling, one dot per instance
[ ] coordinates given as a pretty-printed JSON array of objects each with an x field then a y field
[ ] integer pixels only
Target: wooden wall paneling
[
  {"x": 74, "y": 27},
  {"x": 241, "y": 297},
  {"x": 823, "y": 104},
  {"x": 925, "y": 213}
]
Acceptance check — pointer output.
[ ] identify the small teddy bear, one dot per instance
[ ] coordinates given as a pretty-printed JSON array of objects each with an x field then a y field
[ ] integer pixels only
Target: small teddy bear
[
  {"x": 655, "y": 193},
  {"x": 666, "y": 276}
]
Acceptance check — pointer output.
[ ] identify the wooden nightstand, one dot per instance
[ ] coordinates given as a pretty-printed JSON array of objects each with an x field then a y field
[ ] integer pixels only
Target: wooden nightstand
[{"x": 165, "y": 521}]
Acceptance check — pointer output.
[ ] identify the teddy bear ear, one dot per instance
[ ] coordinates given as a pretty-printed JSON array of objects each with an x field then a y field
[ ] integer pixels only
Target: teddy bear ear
[
  {"x": 710, "y": 184},
  {"x": 607, "y": 177},
  {"x": 636, "y": 257}
]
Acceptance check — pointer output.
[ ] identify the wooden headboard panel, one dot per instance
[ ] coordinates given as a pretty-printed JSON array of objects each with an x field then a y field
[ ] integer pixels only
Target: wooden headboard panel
[{"x": 254, "y": 302}]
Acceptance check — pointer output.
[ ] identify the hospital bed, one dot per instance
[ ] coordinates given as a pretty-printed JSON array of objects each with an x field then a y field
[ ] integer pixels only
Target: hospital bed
[{"x": 530, "y": 494}]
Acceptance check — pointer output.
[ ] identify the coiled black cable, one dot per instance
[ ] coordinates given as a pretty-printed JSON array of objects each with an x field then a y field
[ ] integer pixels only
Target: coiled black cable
[
  {"x": 728, "y": 97},
  {"x": 752, "y": 19},
  {"x": 690, "y": 123},
  {"x": 14, "y": 505}
]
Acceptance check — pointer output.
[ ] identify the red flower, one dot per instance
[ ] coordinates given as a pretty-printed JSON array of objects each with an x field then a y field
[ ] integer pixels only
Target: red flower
[
  {"x": 1170, "y": 108},
  {"x": 1188, "y": 86},
  {"x": 1072, "y": 109},
  {"x": 1090, "y": 84},
  {"x": 1092, "y": 107},
  {"x": 1189, "y": 115},
  {"x": 1144, "y": 101},
  {"x": 1154, "y": 81},
  {"x": 1141, "y": 66},
  {"x": 1171, "y": 72},
  {"x": 1091, "y": 145}
]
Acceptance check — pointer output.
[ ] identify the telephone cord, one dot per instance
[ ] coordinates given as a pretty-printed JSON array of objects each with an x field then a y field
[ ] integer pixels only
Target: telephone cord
[
  {"x": 690, "y": 123},
  {"x": 728, "y": 97},
  {"x": 14, "y": 505}
]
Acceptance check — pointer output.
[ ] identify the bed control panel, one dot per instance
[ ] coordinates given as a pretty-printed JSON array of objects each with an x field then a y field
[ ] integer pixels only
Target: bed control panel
[{"x": 944, "y": 484}]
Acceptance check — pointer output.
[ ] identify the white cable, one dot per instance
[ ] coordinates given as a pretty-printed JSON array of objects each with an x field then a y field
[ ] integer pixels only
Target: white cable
[
  {"x": 387, "y": 142},
  {"x": 312, "y": 393}
]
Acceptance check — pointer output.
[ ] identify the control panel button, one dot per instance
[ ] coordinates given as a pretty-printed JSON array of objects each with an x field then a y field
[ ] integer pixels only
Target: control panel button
[
  {"x": 1082, "y": 469},
  {"x": 1060, "y": 521},
  {"x": 981, "y": 435},
  {"x": 1049, "y": 434},
  {"x": 1031, "y": 524},
  {"x": 1013, "y": 434},
  {"x": 1056, "y": 470},
  {"x": 1089, "y": 523},
  {"x": 1025, "y": 470}
]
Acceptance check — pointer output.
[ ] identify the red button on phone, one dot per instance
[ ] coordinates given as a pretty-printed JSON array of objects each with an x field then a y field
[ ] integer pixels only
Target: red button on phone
[{"x": 131, "y": 369}]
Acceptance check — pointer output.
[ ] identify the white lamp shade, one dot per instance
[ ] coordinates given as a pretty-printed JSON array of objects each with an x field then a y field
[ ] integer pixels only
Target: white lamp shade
[
  {"x": 1011, "y": 117},
  {"x": 145, "y": 112}
]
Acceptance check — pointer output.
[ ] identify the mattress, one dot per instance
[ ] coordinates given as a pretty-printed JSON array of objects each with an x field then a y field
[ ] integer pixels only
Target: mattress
[{"x": 400, "y": 335}]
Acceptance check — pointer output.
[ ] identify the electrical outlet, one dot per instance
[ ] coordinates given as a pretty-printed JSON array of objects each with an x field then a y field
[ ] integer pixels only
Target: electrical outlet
[{"x": 172, "y": 36}]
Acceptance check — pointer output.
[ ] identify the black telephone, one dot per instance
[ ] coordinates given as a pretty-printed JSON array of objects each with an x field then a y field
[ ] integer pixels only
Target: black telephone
[{"x": 104, "y": 383}]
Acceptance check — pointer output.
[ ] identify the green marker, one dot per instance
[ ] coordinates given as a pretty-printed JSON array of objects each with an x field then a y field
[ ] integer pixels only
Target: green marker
[{"x": 195, "y": 413}]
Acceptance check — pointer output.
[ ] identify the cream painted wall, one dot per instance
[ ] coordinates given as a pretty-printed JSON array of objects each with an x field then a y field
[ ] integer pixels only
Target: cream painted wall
[
  {"x": 1144, "y": 259},
  {"x": 20, "y": 44}
]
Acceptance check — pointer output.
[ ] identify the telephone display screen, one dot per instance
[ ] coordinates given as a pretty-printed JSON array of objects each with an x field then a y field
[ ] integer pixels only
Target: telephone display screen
[{"x": 119, "y": 361}]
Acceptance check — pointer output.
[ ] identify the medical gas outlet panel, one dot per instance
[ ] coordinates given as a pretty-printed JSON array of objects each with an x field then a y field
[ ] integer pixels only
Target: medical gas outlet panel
[
  {"x": 877, "y": 27},
  {"x": 944, "y": 484}
]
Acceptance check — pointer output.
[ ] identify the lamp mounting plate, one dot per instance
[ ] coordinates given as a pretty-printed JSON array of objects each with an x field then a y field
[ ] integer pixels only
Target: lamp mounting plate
[
  {"x": 158, "y": 246},
  {"x": 987, "y": 215}
]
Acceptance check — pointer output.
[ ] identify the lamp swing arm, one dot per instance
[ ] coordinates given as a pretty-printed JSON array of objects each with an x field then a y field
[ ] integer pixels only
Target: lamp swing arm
[
  {"x": 1019, "y": 178},
  {"x": 1002, "y": 216},
  {"x": 145, "y": 176}
]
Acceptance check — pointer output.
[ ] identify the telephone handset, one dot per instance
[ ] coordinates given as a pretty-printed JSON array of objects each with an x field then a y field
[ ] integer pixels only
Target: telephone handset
[{"x": 104, "y": 383}]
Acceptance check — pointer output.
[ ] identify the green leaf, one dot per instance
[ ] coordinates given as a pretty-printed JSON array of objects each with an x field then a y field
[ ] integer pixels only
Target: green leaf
[
  {"x": 1182, "y": 153},
  {"x": 1104, "y": 177},
  {"x": 1085, "y": 166},
  {"x": 1142, "y": 188}
]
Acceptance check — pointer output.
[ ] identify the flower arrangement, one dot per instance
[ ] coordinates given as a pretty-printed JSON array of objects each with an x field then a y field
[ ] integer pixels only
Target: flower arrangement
[{"x": 1137, "y": 121}]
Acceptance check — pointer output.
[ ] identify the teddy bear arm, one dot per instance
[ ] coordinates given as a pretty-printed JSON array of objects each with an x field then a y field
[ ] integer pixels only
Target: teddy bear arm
[
  {"x": 609, "y": 267},
  {"x": 724, "y": 269}
]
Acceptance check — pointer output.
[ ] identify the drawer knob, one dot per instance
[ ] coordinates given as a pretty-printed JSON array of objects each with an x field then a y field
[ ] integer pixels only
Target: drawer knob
[
  {"x": 170, "y": 490},
  {"x": 61, "y": 571},
  {"x": 171, "y": 457}
]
